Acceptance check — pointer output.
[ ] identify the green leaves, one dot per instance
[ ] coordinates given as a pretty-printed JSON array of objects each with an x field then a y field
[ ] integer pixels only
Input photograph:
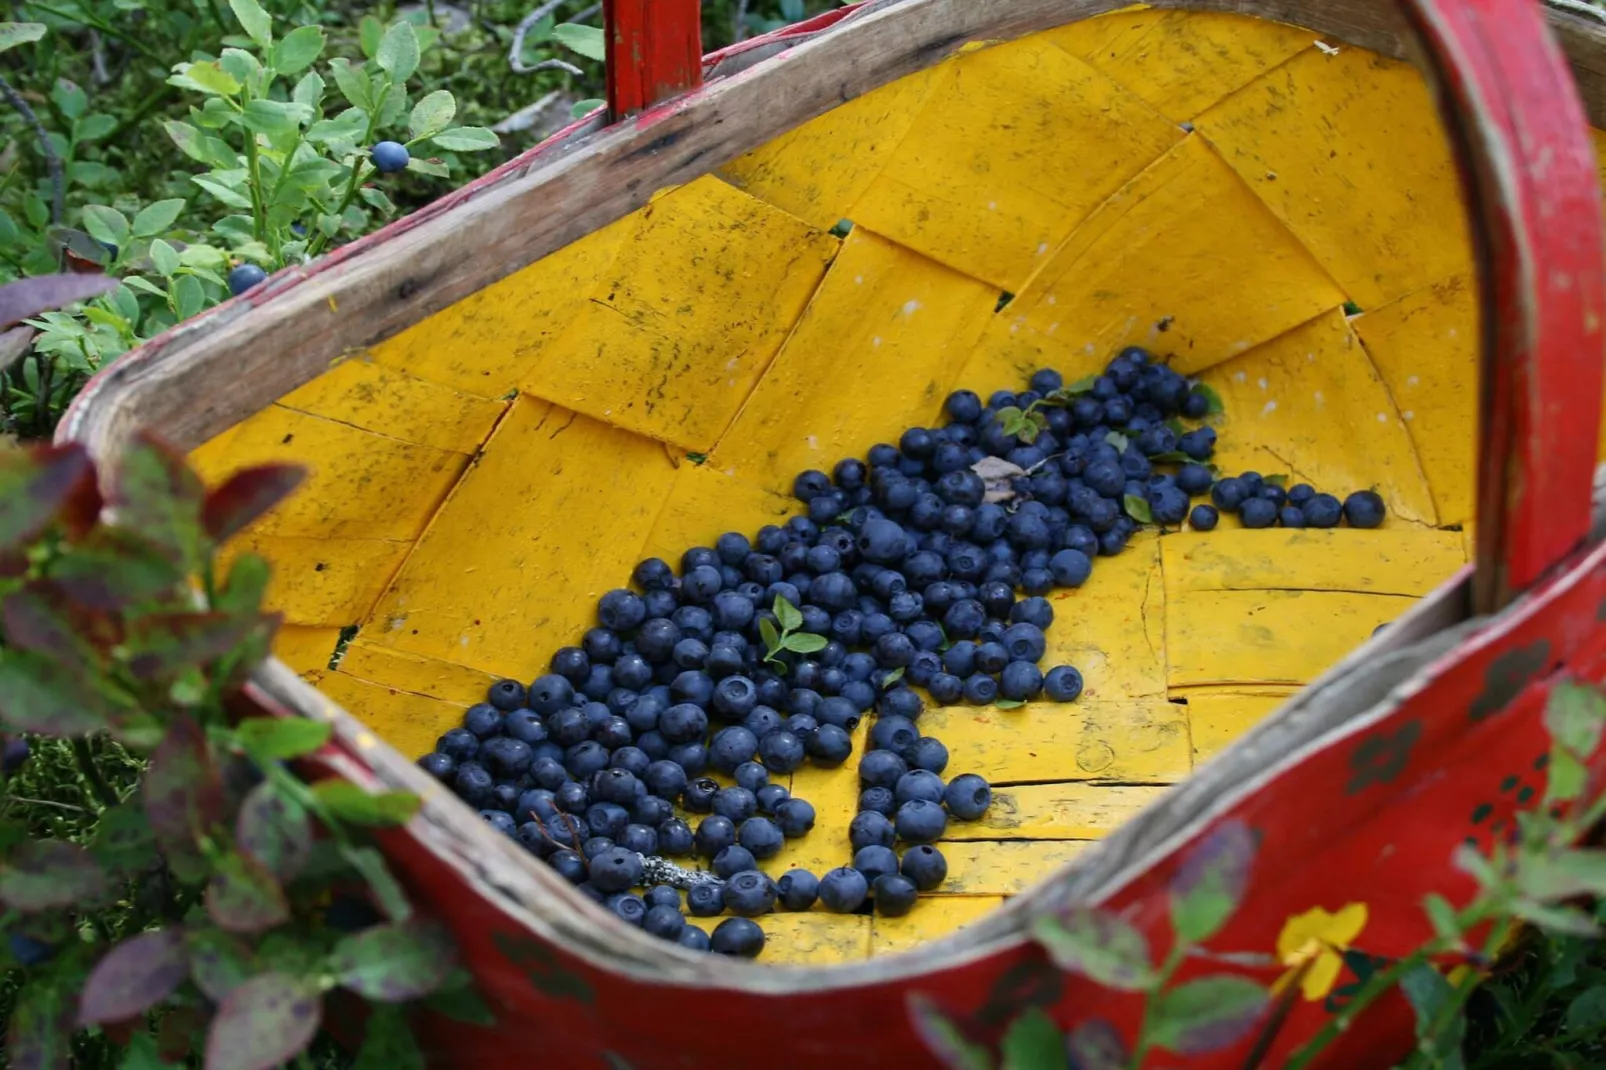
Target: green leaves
[
  {"x": 1211, "y": 881},
  {"x": 40, "y": 875},
  {"x": 274, "y": 831},
  {"x": 264, "y": 1022},
  {"x": 588, "y": 41},
  {"x": 1033, "y": 1042},
  {"x": 38, "y": 694},
  {"x": 789, "y": 616},
  {"x": 106, "y": 224},
  {"x": 348, "y": 802},
  {"x": 1212, "y": 399},
  {"x": 270, "y": 738},
  {"x": 1575, "y": 717},
  {"x": 398, "y": 52},
  {"x": 156, "y": 218},
  {"x": 804, "y": 643},
  {"x": 466, "y": 139},
  {"x": 134, "y": 976},
  {"x": 353, "y": 86},
  {"x": 207, "y": 77},
  {"x": 243, "y": 897},
  {"x": 258, "y": 23},
  {"x": 432, "y": 114},
  {"x": 1208, "y": 1014},
  {"x": 297, "y": 49},
  {"x": 1138, "y": 509},
  {"x": 394, "y": 963},
  {"x": 1104, "y": 948},
  {"x": 1025, "y": 425},
  {"x": 13, "y": 34}
]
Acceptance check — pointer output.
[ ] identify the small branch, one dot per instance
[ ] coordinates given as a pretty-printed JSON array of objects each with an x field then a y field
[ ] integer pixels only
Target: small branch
[
  {"x": 515, "y": 52},
  {"x": 49, "y": 802},
  {"x": 58, "y": 186}
]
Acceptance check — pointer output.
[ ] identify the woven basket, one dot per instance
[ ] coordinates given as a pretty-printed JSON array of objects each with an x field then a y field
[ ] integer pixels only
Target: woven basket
[{"x": 630, "y": 338}]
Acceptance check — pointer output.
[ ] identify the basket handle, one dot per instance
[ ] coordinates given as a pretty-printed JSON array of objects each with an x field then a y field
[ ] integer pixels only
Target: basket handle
[
  {"x": 654, "y": 52},
  {"x": 1519, "y": 131}
]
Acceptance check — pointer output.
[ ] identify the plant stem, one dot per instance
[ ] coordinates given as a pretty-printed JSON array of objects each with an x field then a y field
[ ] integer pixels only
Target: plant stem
[
  {"x": 58, "y": 184},
  {"x": 87, "y": 766},
  {"x": 1173, "y": 962},
  {"x": 1428, "y": 1049}
]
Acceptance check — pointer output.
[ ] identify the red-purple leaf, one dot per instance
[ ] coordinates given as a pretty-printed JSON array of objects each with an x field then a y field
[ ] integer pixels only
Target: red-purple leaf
[
  {"x": 43, "y": 696},
  {"x": 41, "y": 875},
  {"x": 246, "y": 495},
  {"x": 264, "y": 1022},
  {"x": 166, "y": 643},
  {"x": 35, "y": 485},
  {"x": 157, "y": 494},
  {"x": 243, "y": 897},
  {"x": 134, "y": 976},
  {"x": 32, "y": 620},
  {"x": 40, "y": 1037},
  {"x": 394, "y": 963},
  {"x": 219, "y": 963},
  {"x": 183, "y": 790},
  {"x": 26, "y": 298},
  {"x": 115, "y": 568},
  {"x": 274, "y": 831}
]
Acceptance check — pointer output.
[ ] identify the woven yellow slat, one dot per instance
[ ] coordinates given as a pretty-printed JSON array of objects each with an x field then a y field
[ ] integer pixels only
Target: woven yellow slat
[
  {"x": 1219, "y": 715},
  {"x": 1142, "y": 740},
  {"x": 933, "y": 916}
]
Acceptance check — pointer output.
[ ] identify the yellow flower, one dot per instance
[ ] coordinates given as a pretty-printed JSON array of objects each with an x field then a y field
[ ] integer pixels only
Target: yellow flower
[{"x": 1311, "y": 945}]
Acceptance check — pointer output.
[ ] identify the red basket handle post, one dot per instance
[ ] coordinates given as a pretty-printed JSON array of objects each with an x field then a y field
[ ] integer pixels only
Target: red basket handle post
[
  {"x": 1514, "y": 114},
  {"x": 655, "y": 51}
]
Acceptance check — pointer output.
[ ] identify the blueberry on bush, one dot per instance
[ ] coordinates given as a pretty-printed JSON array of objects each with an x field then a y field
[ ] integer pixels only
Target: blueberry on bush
[
  {"x": 389, "y": 157},
  {"x": 243, "y": 277}
]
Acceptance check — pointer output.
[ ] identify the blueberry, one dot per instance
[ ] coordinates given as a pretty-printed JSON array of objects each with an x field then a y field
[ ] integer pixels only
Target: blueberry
[
  {"x": 389, "y": 157},
  {"x": 640, "y": 839},
  {"x": 870, "y": 828},
  {"x": 664, "y": 921},
  {"x": 762, "y": 722},
  {"x": 881, "y": 769},
  {"x": 797, "y": 889},
  {"x": 981, "y": 690},
  {"x": 692, "y": 757},
  {"x": 1257, "y": 513},
  {"x": 683, "y": 723},
  {"x": 781, "y": 751},
  {"x": 1062, "y": 684},
  {"x": 607, "y": 819},
  {"x": 991, "y": 657},
  {"x": 733, "y": 860},
  {"x": 838, "y": 711},
  {"x": 1322, "y": 511},
  {"x": 663, "y": 895},
  {"x": 1229, "y": 494},
  {"x": 1199, "y": 443},
  {"x": 584, "y": 759},
  {"x": 770, "y": 797},
  {"x": 919, "y": 784},
  {"x": 714, "y": 834},
  {"x": 843, "y": 890},
  {"x": 693, "y": 939},
  {"x": 1196, "y": 405},
  {"x": 1274, "y": 494},
  {"x": 675, "y": 838},
  {"x": 926, "y": 753},
  {"x": 967, "y": 797},
  {"x": 665, "y": 779},
  {"x": 1025, "y": 642},
  {"x": 1070, "y": 568},
  {"x": 874, "y": 860},
  {"x": 570, "y": 866},
  {"x": 440, "y": 766},
  {"x": 483, "y": 719},
  {"x": 829, "y": 746},
  {"x": 919, "y": 821},
  {"x": 878, "y": 800},
  {"x": 795, "y": 817},
  {"x": 1300, "y": 493},
  {"x": 945, "y": 689},
  {"x": 730, "y": 748},
  {"x": 749, "y": 893},
  {"x": 539, "y": 803},
  {"x": 963, "y": 406},
  {"x": 1291, "y": 516},
  {"x": 651, "y": 811},
  {"x": 893, "y": 734},
  {"x": 924, "y": 866},
  {"x": 738, "y": 804},
  {"x": 706, "y": 900},
  {"x": 699, "y": 795},
  {"x": 894, "y": 895},
  {"x": 761, "y": 836},
  {"x": 551, "y": 693},
  {"x": 1168, "y": 505},
  {"x": 572, "y": 797},
  {"x": 737, "y": 937},
  {"x": 459, "y": 744},
  {"x": 1021, "y": 681},
  {"x": 506, "y": 695},
  {"x": 500, "y": 820},
  {"x": 901, "y": 702},
  {"x": 473, "y": 784},
  {"x": 1204, "y": 518},
  {"x": 1364, "y": 509},
  {"x": 244, "y": 276},
  {"x": 615, "y": 870}
]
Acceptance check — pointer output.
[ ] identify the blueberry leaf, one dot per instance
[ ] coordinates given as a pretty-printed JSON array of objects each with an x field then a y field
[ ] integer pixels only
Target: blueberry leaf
[
  {"x": 273, "y": 830},
  {"x": 267, "y": 738},
  {"x": 1210, "y": 883},
  {"x": 1278, "y": 480},
  {"x": 182, "y": 790},
  {"x": 41, "y": 875},
  {"x": 892, "y": 677},
  {"x": 232, "y": 506},
  {"x": 1104, "y": 948},
  {"x": 134, "y": 976},
  {"x": 1443, "y": 918},
  {"x": 13, "y": 34},
  {"x": 804, "y": 642},
  {"x": 943, "y": 1038},
  {"x": 36, "y": 485},
  {"x": 1118, "y": 440},
  {"x": 1096, "y": 1045},
  {"x": 398, "y": 51},
  {"x": 1008, "y": 704},
  {"x": 1138, "y": 509},
  {"x": 1575, "y": 716},
  {"x": 219, "y": 963},
  {"x": 388, "y": 1042},
  {"x": 586, "y": 40},
  {"x": 264, "y": 1022},
  {"x": 1084, "y": 385},
  {"x": 394, "y": 963},
  {"x": 370, "y": 865},
  {"x": 1428, "y": 991},
  {"x": 243, "y": 897},
  {"x": 767, "y": 632},
  {"x": 165, "y": 643},
  {"x": 788, "y": 615},
  {"x": 123, "y": 840},
  {"x": 157, "y": 494},
  {"x": 1033, "y": 1042},
  {"x": 348, "y": 802},
  {"x": 1207, "y": 1014},
  {"x": 34, "y": 620},
  {"x": 1212, "y": 399},
  {"x": 1173, "y": 457}
]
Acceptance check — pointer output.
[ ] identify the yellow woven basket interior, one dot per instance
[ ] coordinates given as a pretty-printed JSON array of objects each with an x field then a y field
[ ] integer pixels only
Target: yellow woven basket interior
[{"x": 1277, "y": 215}]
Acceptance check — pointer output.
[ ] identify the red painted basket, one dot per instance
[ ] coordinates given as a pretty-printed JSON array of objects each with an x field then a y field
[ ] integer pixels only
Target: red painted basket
[{"x": 1358, "y": 789}]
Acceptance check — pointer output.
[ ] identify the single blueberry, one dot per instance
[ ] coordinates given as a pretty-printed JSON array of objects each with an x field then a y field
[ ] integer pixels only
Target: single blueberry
[
  {"x": 733, "y": 860},
  {"x": 924, "y": 866},
  {"x": 771, "y": 796},
  {"x": 761, "y": 836},
  {"x": 714, "y": 833},
  {"x": 981, "y": 690},
  {"x": 616, "y": 870},
  {"x": 1257, "y": 513},
  {"x": 874, "y": 861},
  {"x": 878, "y": 800},
  {"x": 1364, "y": 509},
  {"x": 706, "y": 900},
  {"x": 945, "y": 689},
  {"x": 1063, "y": 684},
  {"x": 1322, "y": 511},
  {"x": 1204, "y": 518},
  {"x": 675, "y": 838},
  {"x": 640, "y": 839},
  {"x": 894, "y": 895},
  {"x": 1021, "y": 681},
  {"x": 829, "y": 746},
  {"x": 571, "y": 866},
  {"x": 664, "y": 921},
  {"x": 738, "y": 938},
  {"x": 389, "y": 157},
  {"x": 881, "y": 769},
  {"x": 781, "y": 751},
  {"x": 843, "y": 890},
  {"x": 1291, "y": 516},
  {"x": 967, "y": 797},
  {"x": 795, "y": 817},
  {"x": 749, "y": 893},
  {"x": 736, "y": 803},
  {"x": 243, "y": 277}
]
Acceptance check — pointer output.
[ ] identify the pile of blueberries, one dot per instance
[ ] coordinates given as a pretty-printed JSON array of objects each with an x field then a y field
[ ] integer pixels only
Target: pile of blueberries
[{"x": 763, "y": 653}]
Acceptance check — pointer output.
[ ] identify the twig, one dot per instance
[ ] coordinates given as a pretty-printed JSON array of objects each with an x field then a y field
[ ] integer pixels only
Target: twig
[
  {"x": 739, "y": 30},
  {"x": 49, "y": 802},
  {"x": 58, "y": 187},
  {"x": 515, "y": 54}
]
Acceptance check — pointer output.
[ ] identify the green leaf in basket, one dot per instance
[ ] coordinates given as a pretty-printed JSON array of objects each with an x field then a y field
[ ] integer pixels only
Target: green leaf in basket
[
  {"x": 1008, "y": 704},
  {"x": 1118, "y": 440},
  {"x": 1138, "y": 509},
  {"x": 772, "y": 638},
  {"x": 787, "y": 615},
  {"x": 804, "y": 643},
  {"x": 1212, "y": 399},
  {"x": 1084, "y": 385}
]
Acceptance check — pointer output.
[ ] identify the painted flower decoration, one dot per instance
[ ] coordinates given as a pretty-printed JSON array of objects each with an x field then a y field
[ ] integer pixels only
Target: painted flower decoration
[{"x": 1311, "y": 946}]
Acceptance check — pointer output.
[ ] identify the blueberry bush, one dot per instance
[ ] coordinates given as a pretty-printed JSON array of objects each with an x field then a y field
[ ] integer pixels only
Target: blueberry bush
[
  {"x": 197, "y": 901},
  {"x": 760, "y": 653}
]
